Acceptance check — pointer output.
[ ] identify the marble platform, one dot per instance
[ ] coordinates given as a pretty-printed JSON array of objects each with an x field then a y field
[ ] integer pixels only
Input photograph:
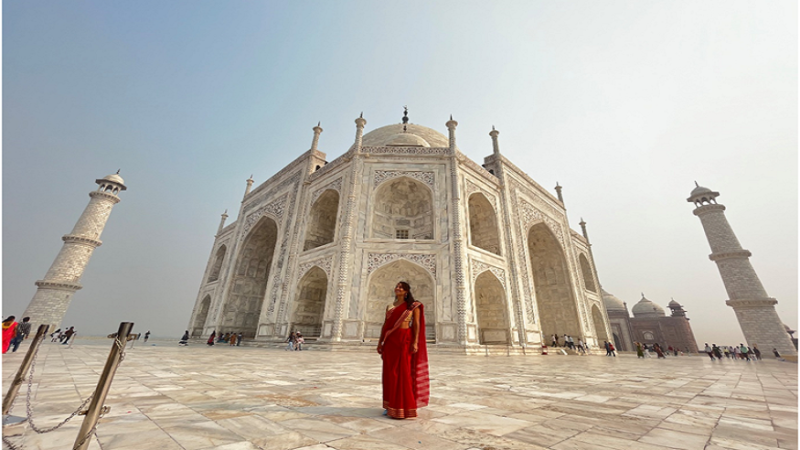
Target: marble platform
[{"x": 239, "y": 398}]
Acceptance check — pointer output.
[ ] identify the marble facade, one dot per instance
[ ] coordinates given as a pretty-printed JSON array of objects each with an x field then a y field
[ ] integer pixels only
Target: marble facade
[{"x": 319, "y": 246}]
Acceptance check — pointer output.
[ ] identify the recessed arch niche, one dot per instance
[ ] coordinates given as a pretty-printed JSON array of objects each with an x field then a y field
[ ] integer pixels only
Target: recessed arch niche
[
  {"x": 490, "y": 304},
  {"x": 558, "y": 313},
  {"x": 380, "y": 294},
  {"x": 403, "y": 209},
  {"x": 310, "y": 303},
  {"x": 586, "y": 271},
  {"x": 201, "y": 316},
  {"x": 215, "y": 269},
  {"x": 243, "y": 307},
  {"x": 599, "y": 324},
  {"x": 483, "y": 229},
  {"x": 321, "y": 227}
]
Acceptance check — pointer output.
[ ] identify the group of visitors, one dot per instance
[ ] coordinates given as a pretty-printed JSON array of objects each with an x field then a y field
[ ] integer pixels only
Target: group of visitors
[
  {"x": 741, "y": 351},
  {"x": 643, "y": 350},
  {"x": 295, "y": 341},
  {"x": 230, "y": 338},
  {"x": 610, "y": 350},
  {"x": 14, "y": 333},
  {"x": 63, "y": 336},
  {"x": 569, "y": 342}
]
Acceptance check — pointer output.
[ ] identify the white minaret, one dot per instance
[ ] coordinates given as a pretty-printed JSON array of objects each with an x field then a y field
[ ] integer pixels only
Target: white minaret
[
  {"x": 754, "y": 308},
  {"x": 54, "y": 293}
]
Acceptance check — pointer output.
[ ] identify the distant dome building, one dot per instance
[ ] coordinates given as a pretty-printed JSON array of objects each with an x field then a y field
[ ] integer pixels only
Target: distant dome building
[
  {"x": 646, "y": 309},
  {"x": 649, "y": 324},
  {"x": 320, "y": 245}
]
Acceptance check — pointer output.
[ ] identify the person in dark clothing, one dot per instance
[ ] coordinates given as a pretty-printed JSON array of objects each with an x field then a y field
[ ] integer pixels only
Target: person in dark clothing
[
  {"x": 68, "y": 335},
  {"x": 23, "y": 330},
  {"x": 184, "y": 339},
  {"x": 211, "y": 338}
]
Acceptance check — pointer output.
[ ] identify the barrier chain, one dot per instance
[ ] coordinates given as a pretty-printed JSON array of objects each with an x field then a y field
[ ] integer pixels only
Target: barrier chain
[{"x": 29, "y": 408}]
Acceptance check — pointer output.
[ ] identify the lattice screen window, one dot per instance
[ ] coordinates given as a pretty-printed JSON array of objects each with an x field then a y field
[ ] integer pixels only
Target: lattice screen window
[{"x": 401, "y": 234}]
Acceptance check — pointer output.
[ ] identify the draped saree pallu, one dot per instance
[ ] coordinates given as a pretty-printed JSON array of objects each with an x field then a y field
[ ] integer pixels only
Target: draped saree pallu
[
  {"x": 9, "y": 332},
  {"x": 406, "y": 385}
]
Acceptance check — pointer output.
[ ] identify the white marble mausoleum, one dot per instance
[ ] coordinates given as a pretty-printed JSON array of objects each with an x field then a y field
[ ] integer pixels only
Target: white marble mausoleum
[{"x": 320, "y": 245}]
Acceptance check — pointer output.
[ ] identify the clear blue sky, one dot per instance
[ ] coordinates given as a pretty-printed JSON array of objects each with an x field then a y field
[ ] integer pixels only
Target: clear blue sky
[{"x": 623, "y": 103}]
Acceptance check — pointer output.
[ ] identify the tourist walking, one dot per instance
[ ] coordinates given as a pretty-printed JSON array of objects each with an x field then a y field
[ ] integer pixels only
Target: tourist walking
[
  {"x": 232, "y": 340},
  {"x": 659, "y": 352},
  {"x": 612, "y": 349},
  {"x": 210, "y": 341},
  {"x": 709, "y": 351},
  {"x": 23, "y": 330},
  {"x": 68, "y": 335},
  {"x": 184, "y": 339},
  {"x": 608, "y": 349},
  {"x": 9, "y": 331},
  {"x": 291, "y": 340},
  {"x": 639, "y": 350},
  {"x": 744, "y": 352},
  {"x": 402, "y": 347},
  {"x": 555, "y": 341},
  {"x": 147, "y": 336},
  {"x": 717, "y": 352},
  {"x": 299, "y": 341},
  {"x": 54, "y": 335},
  {"x": 775, "y": 352},
  {"x": 239, "y": 339},
  {"x": 756, "y": 351}
]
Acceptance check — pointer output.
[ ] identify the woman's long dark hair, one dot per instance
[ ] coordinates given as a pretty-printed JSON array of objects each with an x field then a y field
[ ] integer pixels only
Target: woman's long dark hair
[
  {"x": 409, "y": 298},
  {"x": 11, "y": 318}
]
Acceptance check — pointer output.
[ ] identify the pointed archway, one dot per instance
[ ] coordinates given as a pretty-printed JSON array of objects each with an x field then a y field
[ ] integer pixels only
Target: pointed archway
[
  {"x": 599, "y": 324},
  {"x": 490, "y": 303},
  {"x": 558, "y": 313},
  {"x": 321, "y": 227},
  {"x": 403, "y": 209},
  {"x": 586, "y": 271},
  {"x": 310, "y": 304},
  {"x": 215, "y": 269},
  {"x": 483, "y": 230},
  {"x": 380, "y": 294},
  {"x": 201, "y": 316},
  {"x": 243, "y": 306}
]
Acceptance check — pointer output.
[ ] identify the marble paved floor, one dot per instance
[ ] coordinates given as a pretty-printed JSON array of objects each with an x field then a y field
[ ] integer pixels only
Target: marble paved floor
[{"x": 167, "y": 397}]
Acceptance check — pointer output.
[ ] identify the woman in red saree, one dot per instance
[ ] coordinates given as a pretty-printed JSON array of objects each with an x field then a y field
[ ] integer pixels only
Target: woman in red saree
[
  {"x": 405, "y": 356},
  {"x": 9, "y": 332}
]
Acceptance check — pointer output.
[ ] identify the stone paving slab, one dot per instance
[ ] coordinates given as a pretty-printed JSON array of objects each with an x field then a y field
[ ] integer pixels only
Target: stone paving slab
[{"x": 245, "y": 398}]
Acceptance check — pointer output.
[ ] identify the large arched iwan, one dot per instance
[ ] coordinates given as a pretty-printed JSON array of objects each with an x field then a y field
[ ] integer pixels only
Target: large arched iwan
[
  {"x": 558, "y": 313},
  {"x": 380, "y": 294},
  {"x": 243, "y": 306}
]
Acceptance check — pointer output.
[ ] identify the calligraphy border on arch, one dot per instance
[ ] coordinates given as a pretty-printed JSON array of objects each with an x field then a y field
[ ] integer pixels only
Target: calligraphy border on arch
[
  {"x": 473, "y": 188},
  {"x": 478, "y": 267},
  {"x": 382, "y": 175},
  {"x": 274, "y": 209},
  {"x": 336, "y": 185},
  {"x": 323, "y": 263},
  {"x": 377, "y": 260}
]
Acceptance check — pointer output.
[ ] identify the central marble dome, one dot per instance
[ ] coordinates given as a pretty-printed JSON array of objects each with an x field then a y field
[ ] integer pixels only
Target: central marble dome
[{"x": 413, "y": 136}]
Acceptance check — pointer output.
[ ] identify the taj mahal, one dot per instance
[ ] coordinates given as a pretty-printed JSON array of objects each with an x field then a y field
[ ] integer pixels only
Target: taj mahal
[{"x": 320, "y": 245}]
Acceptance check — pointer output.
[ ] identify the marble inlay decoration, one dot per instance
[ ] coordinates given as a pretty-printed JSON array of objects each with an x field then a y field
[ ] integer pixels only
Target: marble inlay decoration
[
  {"x": 376, "y": 260},
  {"x": 383, "y": 175}
]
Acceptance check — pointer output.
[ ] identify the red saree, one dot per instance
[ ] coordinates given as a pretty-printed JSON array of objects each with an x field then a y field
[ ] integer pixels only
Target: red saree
[
  {"x": 405, "y": 374},
  {"x": 9, "y": 332}
]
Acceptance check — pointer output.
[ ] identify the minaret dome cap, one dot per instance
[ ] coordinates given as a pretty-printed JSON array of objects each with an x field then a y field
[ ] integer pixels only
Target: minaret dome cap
[{"x": 114, "y": 178}]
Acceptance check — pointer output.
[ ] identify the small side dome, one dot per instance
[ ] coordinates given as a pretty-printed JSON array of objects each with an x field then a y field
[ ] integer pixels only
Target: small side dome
[
  {"x": 646, "y": 309},
  {"x": 611, "y": 302},
  {"x": 673, "y": 304},
  {"x": 405, "y": 140}
]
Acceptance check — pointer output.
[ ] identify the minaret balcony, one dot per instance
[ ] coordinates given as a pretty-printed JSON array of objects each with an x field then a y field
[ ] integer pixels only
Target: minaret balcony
[
  {"x": 62, "y": 285},
  {"x": 81, "y": 240},
  {"x": 730, "y": 255},
  {"x": 752, "y": 303}
]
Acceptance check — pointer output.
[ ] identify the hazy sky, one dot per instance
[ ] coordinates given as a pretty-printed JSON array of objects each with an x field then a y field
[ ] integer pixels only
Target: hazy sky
[{"x": 625, "y": 104}]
